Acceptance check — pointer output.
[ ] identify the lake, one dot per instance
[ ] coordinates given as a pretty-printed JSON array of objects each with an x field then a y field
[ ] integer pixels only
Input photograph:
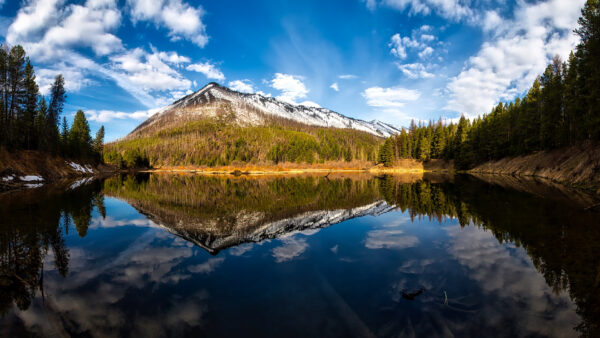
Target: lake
[{"x": 299, "y": 256}]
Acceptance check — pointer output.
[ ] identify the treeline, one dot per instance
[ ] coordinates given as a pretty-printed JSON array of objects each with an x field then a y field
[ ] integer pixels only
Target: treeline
[
  {"x": 30, "y": 122},
  {"x": 561, "y": 108},
  {"x": 210, "y": 142}
]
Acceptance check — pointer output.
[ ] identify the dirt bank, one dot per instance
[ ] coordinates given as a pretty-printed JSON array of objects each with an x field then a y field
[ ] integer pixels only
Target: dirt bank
[
  {"x": 577, "y": 166},
  {"x": 31, "y": 169}
]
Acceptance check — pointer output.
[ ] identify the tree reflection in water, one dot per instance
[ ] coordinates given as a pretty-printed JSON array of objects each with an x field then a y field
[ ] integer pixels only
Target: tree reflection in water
[{"x": 32, "y": 229}]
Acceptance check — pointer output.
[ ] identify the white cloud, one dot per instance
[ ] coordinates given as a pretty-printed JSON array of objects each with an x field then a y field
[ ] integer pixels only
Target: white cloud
[
  {"x": 181, "y": 19},
  {"x": 171, "y": 57},
  {"x": 426, "y": 52},
  {"x": 291, "y": 87},
  {"x": 400, "y": 45},
  {"x": 310, "y": 104},
  {"x": 414, "y": 70},
  {"x": 335, "y": 87},
  {"x": 109, "y": 115},
  {"x": 149, "y": 72},
  {"x": 347, "y": 76},
  {"x": 32, "y": 19},
  {"x": 290, "y": 249},
  {"x": 45, "y": 29},
  {"x": 390, "y": 239},
  {"x": 449, "y": 9},
  {"x": 517, "y": 54},
  {"x": 244, "y": 86},
  {"x": 392, "y": 97},
  {"x": 209, "y": 70},
  {"x": 207, "y": 267},
  {"x": 74, "y": 78}
]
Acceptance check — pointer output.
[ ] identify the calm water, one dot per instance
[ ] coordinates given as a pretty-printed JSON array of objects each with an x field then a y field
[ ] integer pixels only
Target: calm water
[{"x": 166, "y": 255}]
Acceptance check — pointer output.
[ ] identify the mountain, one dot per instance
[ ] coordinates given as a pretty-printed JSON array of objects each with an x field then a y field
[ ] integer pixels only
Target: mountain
[
  {"x": 216, "y": 213},
  {"x": 253, "y": 109}
]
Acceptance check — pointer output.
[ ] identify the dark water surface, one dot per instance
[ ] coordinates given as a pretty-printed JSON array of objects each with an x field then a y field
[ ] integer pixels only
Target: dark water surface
[{"x": 336, "y": 256}]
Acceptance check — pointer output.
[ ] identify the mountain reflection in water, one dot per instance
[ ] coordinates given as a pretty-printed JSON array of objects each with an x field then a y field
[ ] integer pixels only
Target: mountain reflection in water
[{"x": 257, "y": 256}]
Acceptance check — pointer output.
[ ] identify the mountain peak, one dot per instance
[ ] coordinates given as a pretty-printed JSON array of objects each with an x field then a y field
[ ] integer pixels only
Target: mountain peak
[{"x": 251, "y": 109}]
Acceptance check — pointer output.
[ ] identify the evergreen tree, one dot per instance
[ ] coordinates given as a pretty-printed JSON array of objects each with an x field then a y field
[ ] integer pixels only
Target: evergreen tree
[
  {"x": 80, "y": 140},
  {"x": 40, "y": 121},
  {"x": 30, "y": 108},
  {"x": 64, "y": 137},
  {"x": 55, "y": 107},
  {"x": 99, "y": 141}
]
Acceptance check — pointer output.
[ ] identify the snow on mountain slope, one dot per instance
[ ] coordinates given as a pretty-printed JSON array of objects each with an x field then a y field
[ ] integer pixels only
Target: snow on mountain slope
[{"x": 251, "y": 109}]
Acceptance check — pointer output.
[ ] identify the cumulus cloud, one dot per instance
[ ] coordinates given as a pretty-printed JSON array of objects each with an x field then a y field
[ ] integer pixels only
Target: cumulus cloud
[
  {"x": 109, "y": 115},
  {"x": 244, "y": 86},
  {"x": 52, "y": 34},
  {"x": 208, "y": 69},
  {"x": 74, "y": 78},
  {"x": 148, "y": 71},
  {"x": 291, "y": 87},
  {"x": 181, "y": 19},
  {"x": 392, "y": 97},
  {"x": 449, "y": 9},
  {"x": 45, "y": 29},
  {"x": 335, "y": 87},
  {"x": 207, "y": 267},
  {"x": 390, "y": 239},
  {"x": 414, "y": 70},
  {"x": 290, "y": 249},
  {"x": 518, "y": 52},
  {"x": 400, "y": 45}
]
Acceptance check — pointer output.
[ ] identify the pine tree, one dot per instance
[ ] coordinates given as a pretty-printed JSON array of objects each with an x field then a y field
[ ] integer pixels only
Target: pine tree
[
  {"x": 99, "y": 142},
  {"x": 587, "y": 53},
  {"x": 30, "y": 108},
  {"x": 64, "y": 138},
  {"x": 40, "y": 121},
  {"x": 55, "y": 107},
  {"x": 79, "y": 136}
]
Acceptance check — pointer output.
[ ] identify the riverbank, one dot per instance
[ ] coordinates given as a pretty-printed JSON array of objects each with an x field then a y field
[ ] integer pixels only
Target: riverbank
[
  {"x": 576, "y": 166},
  {"x": 31, "y": 169}
]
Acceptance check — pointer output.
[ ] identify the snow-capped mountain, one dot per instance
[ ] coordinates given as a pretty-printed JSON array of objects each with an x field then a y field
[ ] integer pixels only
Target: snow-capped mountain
[
  {"x": 255, "y": 227},
  {"x": 253, "y": 109}
]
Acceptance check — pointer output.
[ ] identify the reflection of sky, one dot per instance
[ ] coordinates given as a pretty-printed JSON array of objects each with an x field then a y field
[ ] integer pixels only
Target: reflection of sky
[{"x": 131, "y": 275}]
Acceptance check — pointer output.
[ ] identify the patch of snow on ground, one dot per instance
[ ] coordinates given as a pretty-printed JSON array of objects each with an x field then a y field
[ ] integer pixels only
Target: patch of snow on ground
[
  {"x": 33, "y": 185},
  {"x": 80, "y": 168},
  {"x": 8, "y": 178},
  {"x": 31, "y": 178}
]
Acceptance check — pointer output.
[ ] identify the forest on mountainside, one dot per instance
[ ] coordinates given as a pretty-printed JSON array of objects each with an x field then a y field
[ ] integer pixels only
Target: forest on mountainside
[
  {"x": 30, "y": 122},
  {"x": 561, "y": 108},
  {"x": 213, "y": 142}
]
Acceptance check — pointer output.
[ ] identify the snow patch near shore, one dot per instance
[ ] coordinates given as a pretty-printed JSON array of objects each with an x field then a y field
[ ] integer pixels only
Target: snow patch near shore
[
  {"x": 33, "y": 185},
  {"x": 31, "y": 178},
  {"x": 78, "y": 167},
  {"x": 8, "y": 178}
]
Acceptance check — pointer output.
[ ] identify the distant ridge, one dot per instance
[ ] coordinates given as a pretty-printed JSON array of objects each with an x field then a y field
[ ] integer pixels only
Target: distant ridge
[{"x": 252, "y": 109}]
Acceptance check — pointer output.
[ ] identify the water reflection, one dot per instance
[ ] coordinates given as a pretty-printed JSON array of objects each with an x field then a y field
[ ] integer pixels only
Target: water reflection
[
  {"x": 32, "y": 226},
  {"x": 435, "y": 256}
]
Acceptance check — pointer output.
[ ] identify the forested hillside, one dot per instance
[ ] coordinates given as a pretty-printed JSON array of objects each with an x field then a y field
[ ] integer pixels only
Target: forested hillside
[
  {"x": 217, "y": 142},
  {"x": 28, "y": 121},
  {"x": 561, "y": 108}
]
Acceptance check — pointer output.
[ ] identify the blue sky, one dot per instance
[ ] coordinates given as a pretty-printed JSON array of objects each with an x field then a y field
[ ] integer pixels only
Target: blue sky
[{"x": 392, "y": 60}]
